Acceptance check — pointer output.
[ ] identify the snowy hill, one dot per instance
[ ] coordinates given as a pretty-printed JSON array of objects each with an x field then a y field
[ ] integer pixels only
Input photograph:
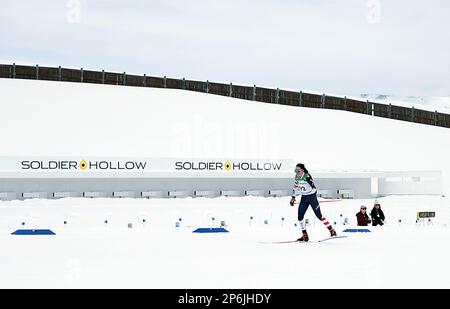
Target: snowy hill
[
  {"x": 95, "y": 247},
  {"x": 62, "y": 119}
]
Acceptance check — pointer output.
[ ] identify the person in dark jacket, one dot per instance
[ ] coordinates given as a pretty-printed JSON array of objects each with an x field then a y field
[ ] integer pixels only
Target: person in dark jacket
[
  {"x": 377, "y": 214},
  {"x": 362, "y": 217}
]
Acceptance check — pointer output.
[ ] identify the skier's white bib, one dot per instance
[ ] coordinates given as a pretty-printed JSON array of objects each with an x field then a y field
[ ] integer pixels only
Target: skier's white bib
[{"x": 302, "y": 187}]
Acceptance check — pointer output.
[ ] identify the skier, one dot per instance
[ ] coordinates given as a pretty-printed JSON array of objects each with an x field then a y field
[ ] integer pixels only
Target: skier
[{"x": 304, "y": 186}]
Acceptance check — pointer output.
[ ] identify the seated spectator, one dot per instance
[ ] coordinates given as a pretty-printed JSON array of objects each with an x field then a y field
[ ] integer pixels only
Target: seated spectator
[
  {"x": 363, "y": 218},
  {"x": 377, "y": 214}
]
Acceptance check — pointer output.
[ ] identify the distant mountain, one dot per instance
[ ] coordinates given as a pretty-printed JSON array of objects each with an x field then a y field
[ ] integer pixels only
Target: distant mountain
[{"x": 441, "y": 104}]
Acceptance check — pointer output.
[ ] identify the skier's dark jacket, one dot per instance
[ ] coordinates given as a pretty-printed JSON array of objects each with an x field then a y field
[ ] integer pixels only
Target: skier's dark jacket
[
  {"x": 363, "y": 219},
  {"x": 377, "y": 216}
]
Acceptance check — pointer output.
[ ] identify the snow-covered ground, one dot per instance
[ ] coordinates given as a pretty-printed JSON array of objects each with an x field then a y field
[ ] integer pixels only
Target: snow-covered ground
[
  {"x": 86, "y": 252},
  {"x": 67, "y": 119}
]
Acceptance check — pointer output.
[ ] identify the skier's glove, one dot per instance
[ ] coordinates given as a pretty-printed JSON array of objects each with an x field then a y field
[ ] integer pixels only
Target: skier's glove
[{"x": 292, "y": 201}]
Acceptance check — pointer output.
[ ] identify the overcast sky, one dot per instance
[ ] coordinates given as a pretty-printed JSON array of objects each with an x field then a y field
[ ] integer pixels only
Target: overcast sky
[{"x": 335, "y": 46}]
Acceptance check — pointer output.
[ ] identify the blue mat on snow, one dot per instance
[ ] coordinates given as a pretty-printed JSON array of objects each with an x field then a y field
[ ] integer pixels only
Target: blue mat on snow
[
  {"x": 356, "y": 231},
  {"x": 33, "y": 232},
  {"x": 211, "y": 230}
]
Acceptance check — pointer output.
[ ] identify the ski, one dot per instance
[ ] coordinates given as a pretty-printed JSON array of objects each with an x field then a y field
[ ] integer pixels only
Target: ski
[
  {"x": 296, "y": 241},
  {"x": 280, "y": 242},
  {"x": 333, "y": 237}
]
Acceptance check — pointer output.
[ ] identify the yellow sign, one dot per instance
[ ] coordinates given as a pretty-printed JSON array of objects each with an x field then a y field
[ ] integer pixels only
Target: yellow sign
[
  {"x": 228, "y": 165},
  {"x": 83, "y": 165}
]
